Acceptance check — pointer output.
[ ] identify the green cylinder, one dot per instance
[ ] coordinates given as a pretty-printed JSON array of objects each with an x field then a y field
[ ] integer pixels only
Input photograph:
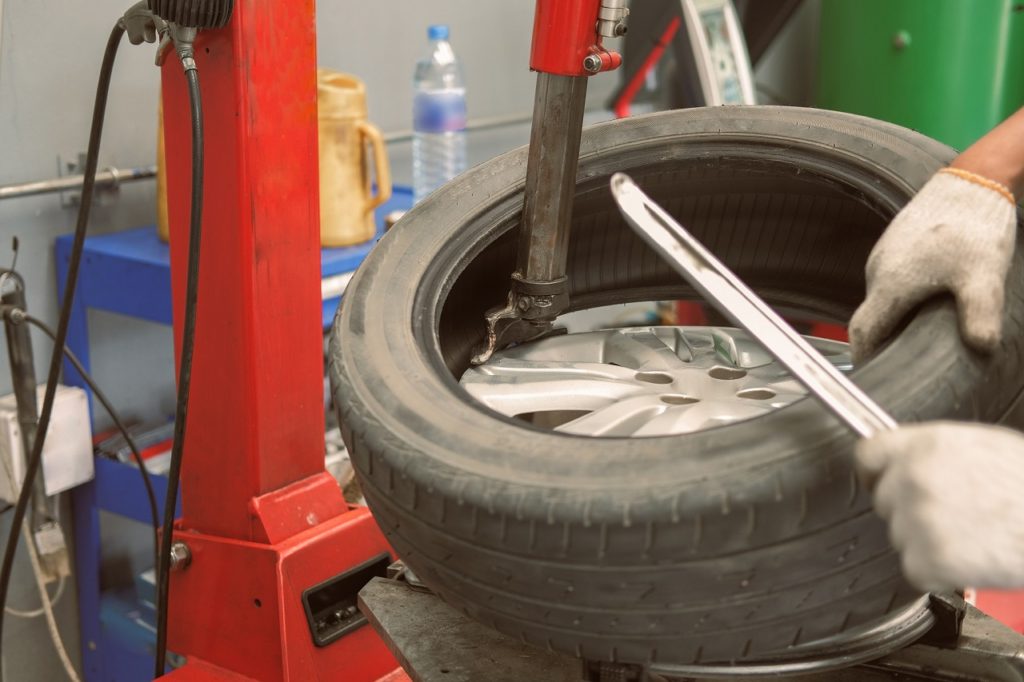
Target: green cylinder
[{"x": 951, "y": 69}]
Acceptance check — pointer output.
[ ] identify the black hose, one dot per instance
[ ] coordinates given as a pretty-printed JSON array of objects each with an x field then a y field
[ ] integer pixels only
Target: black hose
[
  {"x": 35, "y": 457},
  {"x": 185, "y": 370},
  {"x": 118, "y": 422}
]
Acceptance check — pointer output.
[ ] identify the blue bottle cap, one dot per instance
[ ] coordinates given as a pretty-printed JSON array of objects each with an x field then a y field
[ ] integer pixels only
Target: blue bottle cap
[{"x": 437, "y": 32}]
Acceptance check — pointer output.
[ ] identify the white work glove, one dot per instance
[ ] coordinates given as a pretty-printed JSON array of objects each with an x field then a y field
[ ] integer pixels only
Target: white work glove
[
  {"x": 953, "y": 494},
  {"x": 956, "y": 235}
]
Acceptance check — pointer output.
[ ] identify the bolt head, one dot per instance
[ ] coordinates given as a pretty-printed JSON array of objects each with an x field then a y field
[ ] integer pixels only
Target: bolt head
[
  {"x": 181, "y": 556},
  {"x": 592, "y": 63}
]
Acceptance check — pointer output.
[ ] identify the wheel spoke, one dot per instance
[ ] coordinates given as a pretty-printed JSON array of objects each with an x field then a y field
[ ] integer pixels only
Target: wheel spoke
[
  {"x": 735, "y": 347},
  {"x": 618, "y": 419},
  {"x": 543, "y": 370},
  {"x": 702, "y": 415},
  {"x": 544, "y": 393},
  {"x": 643, "y": 349},
  {"x": 643, "y": 381}
]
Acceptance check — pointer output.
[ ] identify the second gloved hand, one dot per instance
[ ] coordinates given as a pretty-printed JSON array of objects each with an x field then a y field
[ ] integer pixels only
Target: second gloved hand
[
  {"x": 957, "y": 235},
  {"x": 953, "y": 495}
]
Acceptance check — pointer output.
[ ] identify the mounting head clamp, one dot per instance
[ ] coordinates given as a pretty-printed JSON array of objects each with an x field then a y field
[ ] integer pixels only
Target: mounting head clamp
[
  {"x": 601, "y": 60},
  {"x": 567, "y": 34},
  {"x": 611, "y": 19},
  {"x": 539, "y": 301}
]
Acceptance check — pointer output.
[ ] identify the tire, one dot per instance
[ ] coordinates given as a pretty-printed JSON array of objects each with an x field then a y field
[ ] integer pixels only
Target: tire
[{"x": 726, "y": 545}]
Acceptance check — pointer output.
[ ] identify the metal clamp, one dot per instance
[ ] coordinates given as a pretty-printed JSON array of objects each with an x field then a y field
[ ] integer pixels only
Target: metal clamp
[
  {"x": 611, "y": 18},
  {"x": 507, "y": 325},
  {"x": 540, "y": 300},
  {"x": 601, "y": 60}
]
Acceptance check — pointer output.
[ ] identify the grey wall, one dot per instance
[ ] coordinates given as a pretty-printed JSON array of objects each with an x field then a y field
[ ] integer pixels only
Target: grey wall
[{"x": 49, "y": 58}]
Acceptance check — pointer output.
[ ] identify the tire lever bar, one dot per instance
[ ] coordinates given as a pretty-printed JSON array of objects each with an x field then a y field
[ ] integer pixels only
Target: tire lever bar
[{"x": 743, "y": 307}]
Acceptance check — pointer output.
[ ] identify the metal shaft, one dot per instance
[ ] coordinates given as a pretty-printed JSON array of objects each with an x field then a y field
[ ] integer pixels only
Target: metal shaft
[
  {"x": 111, "y": 178},
  {"x": 539, "y": 289},
  {"x": 551, "y": 176}
]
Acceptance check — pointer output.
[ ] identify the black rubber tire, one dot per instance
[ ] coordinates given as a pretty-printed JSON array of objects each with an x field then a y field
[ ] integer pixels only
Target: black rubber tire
[{"x": 723, "y": 545}]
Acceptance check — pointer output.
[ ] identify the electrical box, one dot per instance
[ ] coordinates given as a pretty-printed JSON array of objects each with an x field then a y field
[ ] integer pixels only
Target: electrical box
[{"x": 67, "y": 454}]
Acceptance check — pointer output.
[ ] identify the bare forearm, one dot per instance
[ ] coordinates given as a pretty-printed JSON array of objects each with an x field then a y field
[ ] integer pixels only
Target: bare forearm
[{"x": 999, "y": 155}]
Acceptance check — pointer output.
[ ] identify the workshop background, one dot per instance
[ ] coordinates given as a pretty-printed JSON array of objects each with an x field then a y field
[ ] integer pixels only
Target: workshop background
[{"x": 49, "y": 58}]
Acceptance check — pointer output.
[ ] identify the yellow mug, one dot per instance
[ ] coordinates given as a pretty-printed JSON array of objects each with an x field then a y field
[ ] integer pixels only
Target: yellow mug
[
  {"x": 163, "y": 221},
  {"x": 346, "y": 197},
  {"x": 346, "y": 194}
]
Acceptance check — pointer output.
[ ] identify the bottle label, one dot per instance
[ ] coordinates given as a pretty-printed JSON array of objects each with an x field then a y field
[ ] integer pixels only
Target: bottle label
[{"x": 439, "y": 111}]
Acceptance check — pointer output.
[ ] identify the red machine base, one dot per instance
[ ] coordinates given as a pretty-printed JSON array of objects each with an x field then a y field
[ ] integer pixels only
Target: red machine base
[
  {"x": 256, "y": 623},
  {"x": 201, "y": 672}
]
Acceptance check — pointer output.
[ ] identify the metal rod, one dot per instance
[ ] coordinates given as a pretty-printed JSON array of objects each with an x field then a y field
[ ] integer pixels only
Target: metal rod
[
  {"x": 23, "y": 381},
  {"x": 484, "y": 123},
  {"x": 111, "y": 178},
  {"x": 551, "y": 176},
  {"x": 114, "y": 177},
  {"x": 741, "y": 305}
]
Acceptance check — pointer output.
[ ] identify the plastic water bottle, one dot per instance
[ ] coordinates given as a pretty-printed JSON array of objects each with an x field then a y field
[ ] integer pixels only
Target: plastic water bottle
[{"x": 439, "y": 116}]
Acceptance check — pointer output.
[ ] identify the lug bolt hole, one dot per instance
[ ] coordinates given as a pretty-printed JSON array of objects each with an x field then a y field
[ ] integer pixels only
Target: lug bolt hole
[
  {"x": 654, "y": 377},
  {"x": 756, "y": 394},
  {"x": 678, "y": 399},
  {"x": 726, "y": 373}
]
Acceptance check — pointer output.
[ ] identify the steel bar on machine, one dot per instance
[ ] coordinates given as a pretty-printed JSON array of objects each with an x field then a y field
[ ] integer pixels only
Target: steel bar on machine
[
  {"x": 567, "y": 49},
  {"x": 550, "y": 180},
  {"x": 108, "y": 179}
]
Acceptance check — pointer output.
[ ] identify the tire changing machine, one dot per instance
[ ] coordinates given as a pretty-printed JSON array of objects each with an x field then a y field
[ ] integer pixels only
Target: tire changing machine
[{"x": 275, "y": 557}]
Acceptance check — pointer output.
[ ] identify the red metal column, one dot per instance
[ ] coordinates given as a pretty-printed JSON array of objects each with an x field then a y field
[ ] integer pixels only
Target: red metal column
[
  {"x": 256, "y": 413},
  {"x": 263, "y": 519}
]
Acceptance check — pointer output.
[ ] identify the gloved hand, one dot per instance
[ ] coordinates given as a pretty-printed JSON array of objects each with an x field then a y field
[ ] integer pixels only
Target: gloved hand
[
  {"x": 953, "y": 494},
  {"x": 956, "y": 235}
]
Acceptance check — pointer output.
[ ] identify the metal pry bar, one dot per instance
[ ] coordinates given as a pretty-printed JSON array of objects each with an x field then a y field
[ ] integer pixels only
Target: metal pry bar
[{"x": 735, "y": 300}]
